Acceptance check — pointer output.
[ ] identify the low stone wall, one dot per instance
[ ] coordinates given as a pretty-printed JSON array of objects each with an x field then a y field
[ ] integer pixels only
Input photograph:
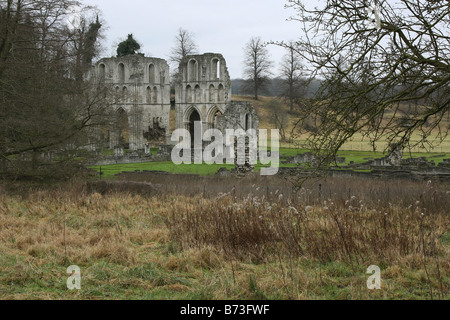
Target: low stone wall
[
  {"x": 384, "y": 173},
  {"x": 164, "y": 154},
  {"x": 307, "y": 157}
]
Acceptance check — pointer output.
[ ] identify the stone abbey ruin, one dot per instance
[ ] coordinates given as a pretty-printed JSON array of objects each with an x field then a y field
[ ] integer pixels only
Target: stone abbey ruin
[
  {"x": 141, "y": 108},
  {"x": 141, "y": 93},
  {"x": 141, "y": 99}
]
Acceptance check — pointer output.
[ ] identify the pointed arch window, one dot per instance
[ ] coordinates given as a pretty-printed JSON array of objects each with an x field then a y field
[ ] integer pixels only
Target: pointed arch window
[
  {"x": 151, "y": 74},
  {"x": 121, "y": 72},
  {"x": 155, "y": 95}
]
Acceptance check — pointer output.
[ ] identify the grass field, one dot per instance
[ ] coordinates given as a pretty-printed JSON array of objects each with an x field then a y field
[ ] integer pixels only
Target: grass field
[
  {"x": 252, "y": 243},
  {"x": 109, "y": 171}
]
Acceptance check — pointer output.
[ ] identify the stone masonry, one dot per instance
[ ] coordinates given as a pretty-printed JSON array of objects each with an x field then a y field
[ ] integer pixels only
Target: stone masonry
[
  {"x": 141, "y": 91},
  {"x": 203, "y": 90}
]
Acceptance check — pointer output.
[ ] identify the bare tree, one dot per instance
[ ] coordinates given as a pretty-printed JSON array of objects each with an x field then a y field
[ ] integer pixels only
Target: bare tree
[
  {"x": 184, "y": 45},
  {"x": 293, "y": 87},
  {"x": 375, "y": 60},
  {"x": 257, "y": 65}
]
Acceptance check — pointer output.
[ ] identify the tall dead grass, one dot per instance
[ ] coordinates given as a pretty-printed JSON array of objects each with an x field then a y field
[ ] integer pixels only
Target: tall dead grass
[
  {"x": 335, "y": 230},
  {"x": 216, "y": 222},
  {"x": 402, "y": 226},
  {"x": 60, "y": 227}
]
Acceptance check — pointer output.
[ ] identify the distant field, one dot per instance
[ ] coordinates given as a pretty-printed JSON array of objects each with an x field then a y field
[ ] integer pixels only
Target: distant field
[{"x": 358, "y": 143}]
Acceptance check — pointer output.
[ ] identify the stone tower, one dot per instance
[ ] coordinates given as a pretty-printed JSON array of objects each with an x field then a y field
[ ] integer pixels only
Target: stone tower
[
  {"x": 141, "y": 91},
  {"x": 202, "y": 91}
]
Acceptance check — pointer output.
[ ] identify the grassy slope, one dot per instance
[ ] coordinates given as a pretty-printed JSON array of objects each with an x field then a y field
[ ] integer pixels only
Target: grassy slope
[{"x": 358, "y": 143}]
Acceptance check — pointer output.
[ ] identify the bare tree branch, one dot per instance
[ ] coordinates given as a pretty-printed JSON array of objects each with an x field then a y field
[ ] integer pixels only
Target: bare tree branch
[{"x": 389, "y": 82}]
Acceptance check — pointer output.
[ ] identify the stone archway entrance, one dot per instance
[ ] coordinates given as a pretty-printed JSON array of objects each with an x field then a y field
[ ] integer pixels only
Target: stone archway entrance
[
  {"x": 123, "y": 128},
  {"x": 120, "y": 131},
  {"x": 194, "y": 117}
]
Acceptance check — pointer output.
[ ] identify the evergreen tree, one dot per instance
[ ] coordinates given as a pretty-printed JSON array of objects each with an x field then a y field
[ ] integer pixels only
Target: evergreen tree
[{"x": 128, "y": 47}]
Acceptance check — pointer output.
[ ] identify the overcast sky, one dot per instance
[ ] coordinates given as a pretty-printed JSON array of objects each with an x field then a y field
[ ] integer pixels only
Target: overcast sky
[{"x": 219, "y": 26}]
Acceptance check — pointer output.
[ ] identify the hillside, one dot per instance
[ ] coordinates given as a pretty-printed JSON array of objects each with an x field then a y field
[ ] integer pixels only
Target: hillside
[{"x": 358, "y": 142}]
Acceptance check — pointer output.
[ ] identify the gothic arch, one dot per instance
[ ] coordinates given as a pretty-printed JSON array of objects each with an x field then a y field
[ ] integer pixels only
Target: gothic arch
[
  {"x": 192, "y": 70},
  {"x": 212, "y": 93},
  {"x": 124, "y": 94},
  {"x": 215, "y": 69},
  {"x": 148, "y": 95},
  {"x": 155, "y": 95},
  {"x": 151, "y": 73},
  {"x": 102, "y": 71},
  {"x": 121, "y": 69},
  {"x": 122, "y": 129},
  {"x": 189, "y": 94},
  {"x": 197, "y": 94},
  {"x": 189, "y": 111},
  {"x": 192, "y": 115},
  {"x": 117, "y": 94},
  {"x": 221, "y": 93},
  {"x": 212, "y": 116}
]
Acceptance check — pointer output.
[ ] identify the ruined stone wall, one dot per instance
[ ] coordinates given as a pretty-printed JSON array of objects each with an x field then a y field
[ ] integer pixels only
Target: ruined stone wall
[
  {"x": 204, "y": 86},
  {"x": 140, "y": 87},
  {"x": 238, "y": 115}
]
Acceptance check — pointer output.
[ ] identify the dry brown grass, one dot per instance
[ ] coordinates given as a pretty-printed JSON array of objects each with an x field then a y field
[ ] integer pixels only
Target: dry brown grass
[
  {"x": 254, "y": 241},
  {"x": 336, "y": 230},
  {"x": 57, "y": 228}
]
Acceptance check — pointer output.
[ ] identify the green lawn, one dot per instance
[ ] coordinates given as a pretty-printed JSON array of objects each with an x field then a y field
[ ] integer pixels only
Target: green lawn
[{"x": 205, "y": 169}]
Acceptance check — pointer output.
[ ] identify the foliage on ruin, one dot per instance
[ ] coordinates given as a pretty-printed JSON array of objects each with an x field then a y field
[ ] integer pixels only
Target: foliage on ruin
[{"x": 128, "y": 47}]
